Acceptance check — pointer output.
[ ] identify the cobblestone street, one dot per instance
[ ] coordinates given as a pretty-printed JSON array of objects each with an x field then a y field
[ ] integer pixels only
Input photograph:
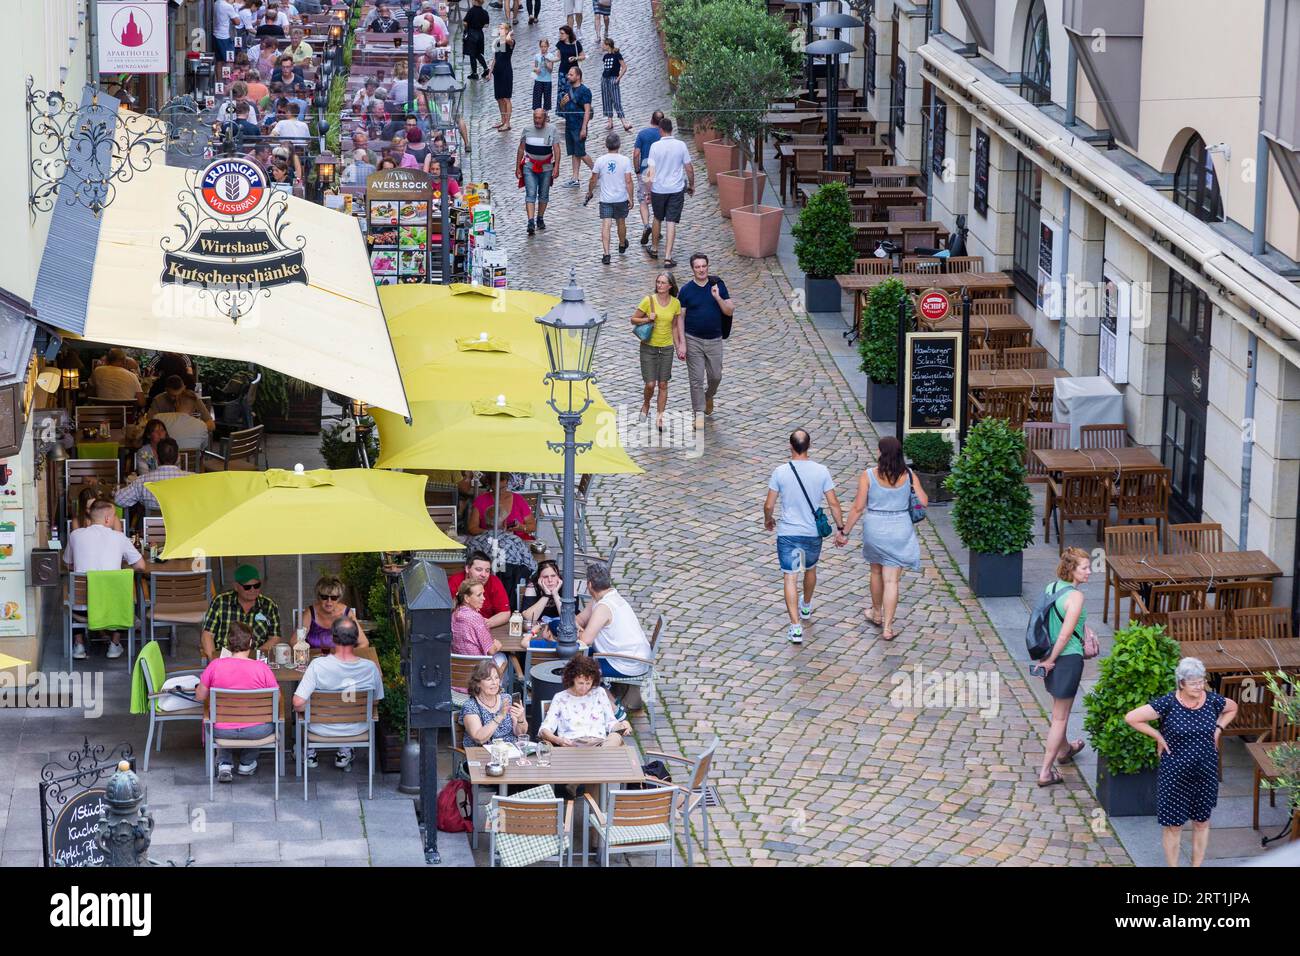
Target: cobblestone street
[{"x": 815, "y": 765}]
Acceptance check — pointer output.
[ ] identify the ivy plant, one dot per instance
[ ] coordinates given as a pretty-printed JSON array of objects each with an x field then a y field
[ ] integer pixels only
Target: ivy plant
[
  {"x": 1139, "y": 668},
  {"x": 994, "y": 511}
]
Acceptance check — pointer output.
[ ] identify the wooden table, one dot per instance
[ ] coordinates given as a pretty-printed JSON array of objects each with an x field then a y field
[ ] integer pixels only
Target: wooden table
[
  {"x": 289, "y": 677},
  {"x": 1008, "y": 322},
  {"x": 1133, "y": 572},
  {"x": 1098, "y": 461},
  {"x": 863, "y": 195},
  {"x": 860, "y": 286},
  {"x": 792, "y": 120},
  {"x": 1235, "y": 657},
  {"x": 906, "y": 172},
  {"x": 1016, "y": 378}
]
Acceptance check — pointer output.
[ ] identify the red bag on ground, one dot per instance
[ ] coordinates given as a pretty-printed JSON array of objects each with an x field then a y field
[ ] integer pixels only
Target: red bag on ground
[{"x": 455, "y": 814}]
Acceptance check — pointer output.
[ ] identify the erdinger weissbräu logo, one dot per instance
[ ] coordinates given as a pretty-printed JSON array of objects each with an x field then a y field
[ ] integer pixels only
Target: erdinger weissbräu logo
[{"x": 235, "y": 243}]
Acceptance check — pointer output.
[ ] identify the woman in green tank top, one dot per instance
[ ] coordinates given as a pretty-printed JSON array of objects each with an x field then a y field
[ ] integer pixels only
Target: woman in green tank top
[{"x": 1063, "y": 667}]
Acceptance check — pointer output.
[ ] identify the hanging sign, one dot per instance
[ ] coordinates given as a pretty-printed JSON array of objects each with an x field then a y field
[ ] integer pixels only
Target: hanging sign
[
  {"x": 934, "y": 305},
  {"x": 133, "y": 36}
]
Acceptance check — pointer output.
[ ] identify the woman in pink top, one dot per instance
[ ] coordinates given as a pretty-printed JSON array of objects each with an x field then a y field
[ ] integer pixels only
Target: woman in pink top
[
  {"x": 239, "y": 671},
  {"x": 516, "y": 514},
  {"x": 469, "y": 630}
]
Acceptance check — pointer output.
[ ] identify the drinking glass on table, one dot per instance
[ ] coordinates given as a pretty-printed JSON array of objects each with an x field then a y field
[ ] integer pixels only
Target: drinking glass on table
[
  {"x": 521, "y": 741},
  {"x": 543, "y": 753}
]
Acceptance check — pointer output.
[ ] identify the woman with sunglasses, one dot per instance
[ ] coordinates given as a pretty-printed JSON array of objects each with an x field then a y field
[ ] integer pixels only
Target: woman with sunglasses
[{"x": 328, "y": 607}]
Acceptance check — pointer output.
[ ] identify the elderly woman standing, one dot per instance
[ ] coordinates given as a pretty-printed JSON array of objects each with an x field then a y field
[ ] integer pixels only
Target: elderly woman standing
[
  {"x": 1062, "y": 668},
  {"x": 1192, "y": 719}
]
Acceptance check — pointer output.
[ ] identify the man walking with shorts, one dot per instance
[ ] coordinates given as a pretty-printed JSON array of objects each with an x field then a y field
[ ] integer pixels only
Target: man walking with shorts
[
  {"x": 671, "y": 176},
  {"x": 538, "y": 155},
  {"x": 573, "y": 14},
  {"x": 641, "y": 161},
  {"x": 575, "y": 104},
  {"x": 706, "y": 304},
  {"x": 801, "y": 484},
  {"x": 614, "y": 174}
]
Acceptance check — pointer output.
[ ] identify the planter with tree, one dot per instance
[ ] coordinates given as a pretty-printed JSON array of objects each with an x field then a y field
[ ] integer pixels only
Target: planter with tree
[
  {"x": 993, "y": 511},
  {"x": 878, "y": 346},
  {"x": 931, "y": 457},
  {"x": 823, "y": 245},
  {"x": 1139, "y": 668}
]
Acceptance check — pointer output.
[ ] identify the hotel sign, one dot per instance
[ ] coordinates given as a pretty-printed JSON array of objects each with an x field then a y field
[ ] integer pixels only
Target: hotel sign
[
  {"x": 133, "y": 36},
  {"x": 235, "y": 242}
]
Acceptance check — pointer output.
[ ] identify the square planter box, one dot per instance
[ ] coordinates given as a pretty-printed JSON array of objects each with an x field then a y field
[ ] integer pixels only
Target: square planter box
[
  {"x": 995, "y": 575},
  {"x": 1126, "y": 794},
  {"x": 821, "y": 295},
  {"x": 882, "y": 402},
  {"x": 758, "y": 230},
  {"x": 932, "y": 482}
]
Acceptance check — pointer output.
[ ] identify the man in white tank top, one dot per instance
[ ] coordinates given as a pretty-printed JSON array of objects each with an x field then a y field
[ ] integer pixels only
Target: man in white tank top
[{"x": 610, "y": 624}]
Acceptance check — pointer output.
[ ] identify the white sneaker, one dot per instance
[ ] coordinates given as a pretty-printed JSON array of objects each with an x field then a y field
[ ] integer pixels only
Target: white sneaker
[
  {"x": 805, "y": 610},
  {"x": 115, "y": 651},
  {"x": 224, "y": 773},
  {"x": 247, "y": 769},
  {"x": 78, "y": 652},
  {"x": 311, "y": 760},
  {"x": 796, "y": 633},
  {"x": 343, "y": 759}
]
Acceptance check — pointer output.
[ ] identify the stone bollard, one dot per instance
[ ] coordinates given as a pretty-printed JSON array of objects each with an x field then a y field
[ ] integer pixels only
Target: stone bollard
[{"x": 127, "y": 825}]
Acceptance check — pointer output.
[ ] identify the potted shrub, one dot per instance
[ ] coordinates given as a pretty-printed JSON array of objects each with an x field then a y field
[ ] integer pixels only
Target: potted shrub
[
  {"x": 993, "y": 512},
  {"x": 1139, "y": 668},
  {"x": 823, "y": 244},
  {"x": 878, "y": 345},
  {"x": 931, "y": 457}
]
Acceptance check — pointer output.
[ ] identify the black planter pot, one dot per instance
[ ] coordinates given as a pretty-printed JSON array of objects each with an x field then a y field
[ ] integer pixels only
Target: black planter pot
[
  {"x": 932, "y": 482},
  {"x": 995, "y": 575},
  {"x": 1126, "y": 794},
  {"x": 821, "y": 295},
  {"x": 882, "y": 402}
]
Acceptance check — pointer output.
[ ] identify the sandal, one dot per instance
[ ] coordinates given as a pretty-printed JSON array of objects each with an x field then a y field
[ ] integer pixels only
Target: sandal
[
  {"x": 871, "y": 620},
  {"x": 1051, "y": 781},
  {"x": 1069, "y": 757}
]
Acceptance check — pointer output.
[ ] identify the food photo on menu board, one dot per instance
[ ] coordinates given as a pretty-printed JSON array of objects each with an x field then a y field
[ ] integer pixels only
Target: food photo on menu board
[
  {"x": 384, "y": 262},
  {"x": 413, "y": 211},
  {"x": 383, "y": 213},
  {"x": 412, "y": 262},
  {"x": 381, "y": 237},
  {"x": 414, "y": 237}
]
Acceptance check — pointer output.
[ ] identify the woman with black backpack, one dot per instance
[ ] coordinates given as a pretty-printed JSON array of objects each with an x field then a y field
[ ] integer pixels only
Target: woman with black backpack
[{"x": 1063, "y": 665}]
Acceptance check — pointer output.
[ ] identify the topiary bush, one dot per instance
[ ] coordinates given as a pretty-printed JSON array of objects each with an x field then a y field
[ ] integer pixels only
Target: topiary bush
[
  {"x": 994, "y": 510},
  {"x": 878, "y": 344},
  {"x": 823, "y": 236},
  {"x": 928, "y": 451},
  {"x": 1139, "y": 668}
]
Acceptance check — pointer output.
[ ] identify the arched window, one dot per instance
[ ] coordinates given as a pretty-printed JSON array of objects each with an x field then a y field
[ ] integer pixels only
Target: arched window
[
  {"x": 1196, "y": 188},
  {"x": 1036, "y": 58}
]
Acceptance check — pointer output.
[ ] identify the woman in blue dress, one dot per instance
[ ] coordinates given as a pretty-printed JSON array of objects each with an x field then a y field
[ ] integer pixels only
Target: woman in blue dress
[
  {"x": 889, "y": 542},
  {"x": 1192, "y": 721}
]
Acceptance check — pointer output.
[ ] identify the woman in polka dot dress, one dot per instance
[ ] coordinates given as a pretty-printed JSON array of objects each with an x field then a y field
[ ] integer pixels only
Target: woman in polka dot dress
[{"x": 1192, "y": 720}]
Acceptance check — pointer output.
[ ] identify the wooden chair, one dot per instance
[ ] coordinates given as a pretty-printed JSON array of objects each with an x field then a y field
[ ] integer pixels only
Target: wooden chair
[
  {"x": 986, "y": 360},
  {"x": 1255, "y": 623},
  {"x": 530, "y": 827},
  {"x": 855, "y": 140},
  {"x": 241, "y": 451},
  {"x": 1041, "y": 405},
  {"x": 904, "y": 214},
  {"x": 807, "y": 164},
  {"x": 1102, "y": 436},
  {"x": 864, "y": 157},
  {"x": 696, "y": 795},
  {"x": 920, "y": 265},
  {"x": 1076, "y": 498},
  {"x": 1281, "y": 731},
  {"x": 243, "y": 707},
  {"x": 175, "y": 599},
  {"x": 644, "y": 683},
  {"x": 807, "y": 139},
  {"x": 1203, "y": 537},
  {"x": 1009, "y": 404},
  {"x": 1233, "y": 596},
  {"x": 337, "y": 707},
  {"x": 1204, "y": 625},
  {"x": 1254, "y": 708},
  {"x": 1008, "y": 339},
  {"x": 1123, "y": 541},
  {"x": 956, "y": 264},
  {"x": 1139, "y": 495},
  {"x": 1164, "y": 599},
  {"x": 88, "y": 415},
  {"x": 444, "y": 516},
  {"x": 825, "y": 176},
  {"x": 862, "y": 213},
  {"x": 1034, "y": 356},
  {"x": 889, "y": 182},
  {"x": 922, "y": 238},
  {"x": 871, "y": 266},
  {"x": 632, "y": 821},
  {"x": 462, "y": 665},
  {"x": 991, "y": 306},
  {"x": 1040, "y": 435}
]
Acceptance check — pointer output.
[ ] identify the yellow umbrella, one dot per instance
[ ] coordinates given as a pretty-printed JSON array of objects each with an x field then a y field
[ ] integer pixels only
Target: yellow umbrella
[{"x": 296, "y": 512}]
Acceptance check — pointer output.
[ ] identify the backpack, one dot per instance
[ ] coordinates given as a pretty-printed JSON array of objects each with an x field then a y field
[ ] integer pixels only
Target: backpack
[
  {"x": 1039, "y": 636},
  {"x": 455, "y": 815}
]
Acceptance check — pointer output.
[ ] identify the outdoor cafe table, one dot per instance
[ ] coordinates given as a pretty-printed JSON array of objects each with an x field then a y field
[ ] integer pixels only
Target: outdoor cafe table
[
  {"x": 847, "y": 120},
  {"x": 910, "y": 173},
  {"x": 1015, "y": 378},
  {"x": 288, "y": 677},
  {"x": 1256, "y": 656},
  {"x": 1133, "y": 571},
  {"x": 1009, "y": 322},
  {"x": 860, "y": 285},
  {"x": 863, "y": 195},
  {"x": 1098, "y": 461}
]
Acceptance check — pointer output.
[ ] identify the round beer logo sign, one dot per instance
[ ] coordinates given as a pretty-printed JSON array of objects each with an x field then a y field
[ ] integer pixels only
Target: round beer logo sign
[
  {"x": 233, "y": 187},
  {"x": 934, "y": 305}
]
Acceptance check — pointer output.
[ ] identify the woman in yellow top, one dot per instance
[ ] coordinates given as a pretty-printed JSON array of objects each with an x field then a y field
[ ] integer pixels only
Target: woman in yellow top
[{"x": 663, "y": 312}]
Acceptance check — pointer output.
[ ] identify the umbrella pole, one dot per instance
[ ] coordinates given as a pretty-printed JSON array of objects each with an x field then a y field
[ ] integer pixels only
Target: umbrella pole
[
  {"x": 300, "y": 604},
  {"x": 496, "y": 509}
]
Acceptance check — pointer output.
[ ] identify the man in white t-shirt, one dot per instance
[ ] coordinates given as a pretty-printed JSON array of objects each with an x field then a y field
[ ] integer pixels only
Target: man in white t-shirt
[
  {"x": 114, "y": 382},
  {"x": 340, "y": 671},
  {"x": 671, "y": 176},
  {"x": 293, "y": 127},
  {"x": 609, "y": 625},
  {"x": 97, "y": 547},
  {"x": 225, "y": 18},
  {"x": 613, "y": 173},
  {"x": 798, "y": 543}
]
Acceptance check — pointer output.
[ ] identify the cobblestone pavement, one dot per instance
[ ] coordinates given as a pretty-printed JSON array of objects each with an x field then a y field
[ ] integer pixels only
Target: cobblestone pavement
[{"x": 815, "y": 764}]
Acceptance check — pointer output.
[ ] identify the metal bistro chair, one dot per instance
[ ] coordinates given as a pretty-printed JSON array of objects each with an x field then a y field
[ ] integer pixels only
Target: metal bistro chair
[
  {"x": 697, "y": 795},
  {"x": 174, "y": 599},
  {"x": 158, "y": 717},
  {"x": 1125, "y": 541},
  {"x": 1236, "y": 596},
  {"x": 76, "y": 611},
  {"x": 337, "y": 707},
  {"x": 530, "y": 827},
  {"x": 1203, "y": 625},
  {"x": 632, "y": 821},
  {"x": 243, "y": 707},
  {"x": 550, "y": 504},
  {"x": 1039, "y": 435},
  {"x": 1076, "y": 498},
  {"x": 1204, "y": 537},
  {"x": 241, "y": 451},
  {"x": 644, "y": 683}
]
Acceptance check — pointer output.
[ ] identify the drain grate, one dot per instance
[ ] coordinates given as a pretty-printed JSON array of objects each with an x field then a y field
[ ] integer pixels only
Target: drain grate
[{"x": 711, "y": 796}]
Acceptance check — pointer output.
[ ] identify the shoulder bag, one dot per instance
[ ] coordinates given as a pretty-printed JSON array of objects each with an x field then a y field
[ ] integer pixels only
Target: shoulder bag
[
  {"x": 726, "y": 321},
  {"x": 824, "y": 528},
  {"x": 915, "y": 510}
]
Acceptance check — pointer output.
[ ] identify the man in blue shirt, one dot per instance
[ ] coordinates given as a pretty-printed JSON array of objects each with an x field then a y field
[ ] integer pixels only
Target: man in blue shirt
[
  {"x": 640, "y": 159},
  {"x": 707, "y": 309},
  {"x": 575, "y": 104}
]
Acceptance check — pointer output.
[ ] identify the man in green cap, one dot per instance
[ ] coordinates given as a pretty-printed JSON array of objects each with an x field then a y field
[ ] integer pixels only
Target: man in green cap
[{"x": 246, "y": 604}]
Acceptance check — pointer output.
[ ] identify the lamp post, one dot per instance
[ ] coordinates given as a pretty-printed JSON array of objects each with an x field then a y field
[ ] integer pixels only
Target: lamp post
[
  {"x": 572, "y": 328},
  {"x": 831, "y": 49},
  {"x": 326, "y": 163},
  {"x": 410, "y": 8},
  {"x": 808, "y": 9},
  {"x": 445, "y": 99}
]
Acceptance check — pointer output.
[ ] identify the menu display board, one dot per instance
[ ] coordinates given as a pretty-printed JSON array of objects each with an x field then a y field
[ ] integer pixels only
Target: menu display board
[
  {"x": 13, "y": 604},
  {"x": 72, "y": 838},
  {"x": 399, "y": 204},
  {"x": 933, "y": 381},
  {"x": 981, "y": 172}
]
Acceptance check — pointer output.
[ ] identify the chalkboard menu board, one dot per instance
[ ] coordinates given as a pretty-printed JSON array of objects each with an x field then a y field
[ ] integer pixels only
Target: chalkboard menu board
[
  {"x": 932, "y": 388},
  {"x": 981, "y": 172},
  {"x": 72, "y": 838}
]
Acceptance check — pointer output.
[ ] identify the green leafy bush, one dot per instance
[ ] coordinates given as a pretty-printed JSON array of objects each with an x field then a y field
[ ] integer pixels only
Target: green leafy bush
[
  {"x": 392, "y": 709},
  {"x": 994, "y": 511},
  {"x": 338, "y": 445},
  {"x": 1286, "y": 756},
  {"x": 359, "y": 570},
  {"x": 878, "y": 344},
  {"x": 823, "y": 236},
  {"x": 1140, "y": 668},
  {"x": 928, "y": 451}
]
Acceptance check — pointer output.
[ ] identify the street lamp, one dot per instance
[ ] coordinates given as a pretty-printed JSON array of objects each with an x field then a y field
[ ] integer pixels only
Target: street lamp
[
  {"x": 572, "y": 328},
  {"x": 809, "y": 11},
  {"x": 831, "y": 49},
  {"x": 326, "y": 163},
  {"x": 410, "y": 8},
  {"x": 444, "y": 105}
]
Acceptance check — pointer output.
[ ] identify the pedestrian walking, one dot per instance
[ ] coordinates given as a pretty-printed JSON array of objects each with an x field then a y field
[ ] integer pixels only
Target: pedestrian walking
[
  {"x": 613, "y": 69},
  {"x": 600, "y": 11},
  {"x": 474, "y": 41},
  {"x": 889, "y": 542},
  {"x": 543, "y": 65},
  {"x": 503, "y": 74},
  {"x": 537, "y": 157},
  {"x": 641, "y": 160},
  {"x": 1192, "y": 721},
  {"x": 613, "y": 176},
  {"x": 1063, "y": 666},
  {"x": 575, "y": 104},
  {"x": 706, "y": 320},
  {"x": 573, "y": 14},
  {"x": 661, "y": 312},
  {"x": 534, "y": 11},
  {"x": 569, "y": 54},
  {"x": 671, "y": 176},
  {"x": 801, "y": 485}
]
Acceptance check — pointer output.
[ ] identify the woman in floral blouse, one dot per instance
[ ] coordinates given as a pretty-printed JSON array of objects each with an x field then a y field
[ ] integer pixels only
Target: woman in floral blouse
[{"x": 581, "y": 714}]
